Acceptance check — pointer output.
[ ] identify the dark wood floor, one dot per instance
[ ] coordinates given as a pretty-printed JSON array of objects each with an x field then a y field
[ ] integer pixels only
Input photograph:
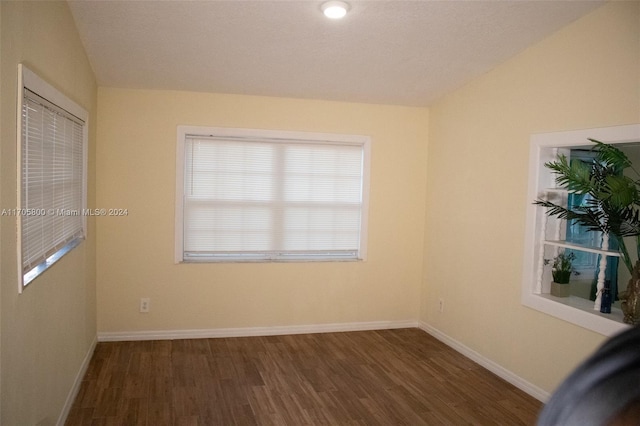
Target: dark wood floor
[{"x": 389, "y": 377}]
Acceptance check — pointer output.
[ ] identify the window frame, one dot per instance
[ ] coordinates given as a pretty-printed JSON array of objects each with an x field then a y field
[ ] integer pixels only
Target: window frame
[
  {"x": 27, "y": 79},
  {"x": 573, "y": 309},
  {"x": 238, "y": 133}
]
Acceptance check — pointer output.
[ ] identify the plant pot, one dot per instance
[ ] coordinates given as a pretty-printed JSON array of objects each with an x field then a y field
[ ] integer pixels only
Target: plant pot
[
  {"x": 630, "y": 298},
  {"x": 560, "y": 290}
]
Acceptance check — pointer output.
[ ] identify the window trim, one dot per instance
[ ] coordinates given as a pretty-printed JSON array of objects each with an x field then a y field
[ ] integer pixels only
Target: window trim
[
  {"x": 574, "y": 310},
  {"x": 184, "y": 131},
  {"x": 29, "y": 80}
]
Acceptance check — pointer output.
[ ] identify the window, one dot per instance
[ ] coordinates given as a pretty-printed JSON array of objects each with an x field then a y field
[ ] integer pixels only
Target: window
[
  {"x": 585, "y": 263},
  {"x": 52, "y": 140},
  {"x": 253, "y": 195},
  {"x": 544, "y": 235}
]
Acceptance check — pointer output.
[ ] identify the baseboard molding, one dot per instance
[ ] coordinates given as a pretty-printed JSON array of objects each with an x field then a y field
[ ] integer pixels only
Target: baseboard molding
[
  {"x": 76, "y": 384},
  {"x": 495, "y": 368},
  {"x": 251, "y": 331}
]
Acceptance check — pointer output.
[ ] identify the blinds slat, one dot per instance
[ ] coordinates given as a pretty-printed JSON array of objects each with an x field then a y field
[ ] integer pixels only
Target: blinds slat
[
  {"x": 251, "y": 196},
  {"x": 52, "y": 162}
]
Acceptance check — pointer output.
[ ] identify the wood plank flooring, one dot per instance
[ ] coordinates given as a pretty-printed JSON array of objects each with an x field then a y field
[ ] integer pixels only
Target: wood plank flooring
[{"x": 388, "y": 377}]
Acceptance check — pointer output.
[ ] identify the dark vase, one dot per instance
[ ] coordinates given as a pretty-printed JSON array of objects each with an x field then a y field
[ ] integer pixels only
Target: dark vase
[
  {"x": 605, "y": 299},
  {"x": 561, "y": 277}
]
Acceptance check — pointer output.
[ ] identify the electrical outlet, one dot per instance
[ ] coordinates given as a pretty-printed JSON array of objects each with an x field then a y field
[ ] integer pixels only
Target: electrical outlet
[
  {"x": 145, "y": 304},
  {"x": 441, "y": 305}
]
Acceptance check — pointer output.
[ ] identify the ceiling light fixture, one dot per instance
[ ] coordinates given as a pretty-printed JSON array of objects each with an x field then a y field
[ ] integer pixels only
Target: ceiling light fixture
[{"x": 335, "y": 9}]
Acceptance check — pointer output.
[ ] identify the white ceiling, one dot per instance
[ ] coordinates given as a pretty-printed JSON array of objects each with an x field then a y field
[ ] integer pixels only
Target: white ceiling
[{"x": 391, "y": 52}]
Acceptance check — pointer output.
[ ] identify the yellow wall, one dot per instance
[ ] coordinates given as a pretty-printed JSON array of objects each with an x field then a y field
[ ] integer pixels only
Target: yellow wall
[
  {"x": 136, "y": 171},
  {"x": 584, "y": 76},
  {"x": 48, "y": 330}
]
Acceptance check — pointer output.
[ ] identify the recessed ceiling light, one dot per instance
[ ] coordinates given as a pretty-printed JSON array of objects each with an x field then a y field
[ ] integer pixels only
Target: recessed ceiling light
[{"x": 335, "y": 9}]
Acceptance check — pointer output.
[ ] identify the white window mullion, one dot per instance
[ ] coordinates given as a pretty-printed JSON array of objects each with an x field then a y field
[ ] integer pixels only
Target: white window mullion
[{"x": 280, "y": 207}]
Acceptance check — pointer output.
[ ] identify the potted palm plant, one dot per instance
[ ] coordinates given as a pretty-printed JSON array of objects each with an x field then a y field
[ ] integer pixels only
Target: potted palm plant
[
  {"x": 613, "y": 207},
  {"x": 561, "y": 269}
]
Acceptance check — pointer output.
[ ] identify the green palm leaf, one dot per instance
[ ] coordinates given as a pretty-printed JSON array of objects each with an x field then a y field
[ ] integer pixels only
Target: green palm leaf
[
  {"x": 575, "y": 177},
  {"x": 611, "y": 155}
]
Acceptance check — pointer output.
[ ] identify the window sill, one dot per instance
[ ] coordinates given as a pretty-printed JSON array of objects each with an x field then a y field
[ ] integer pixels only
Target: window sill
[
  {"x": 578, "y": 311},
  {"x": 37, "y": 270},
  {"x": 236, "y": 260}
]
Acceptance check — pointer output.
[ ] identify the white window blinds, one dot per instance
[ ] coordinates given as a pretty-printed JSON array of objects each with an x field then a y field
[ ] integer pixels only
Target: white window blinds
[
  {"x": 272, "y": 199},
  {"x": 50, "y": 213}
]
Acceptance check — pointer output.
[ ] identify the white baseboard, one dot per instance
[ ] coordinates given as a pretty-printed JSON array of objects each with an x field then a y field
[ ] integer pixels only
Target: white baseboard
[
  {"x": 76, "y": 385},
  {"x": 498, "y": 370},
  {"x": 251, "y": 331}
]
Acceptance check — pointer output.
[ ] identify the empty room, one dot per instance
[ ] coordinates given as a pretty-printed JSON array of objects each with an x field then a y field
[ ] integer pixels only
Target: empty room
[{"x": 308, "y": 212}]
